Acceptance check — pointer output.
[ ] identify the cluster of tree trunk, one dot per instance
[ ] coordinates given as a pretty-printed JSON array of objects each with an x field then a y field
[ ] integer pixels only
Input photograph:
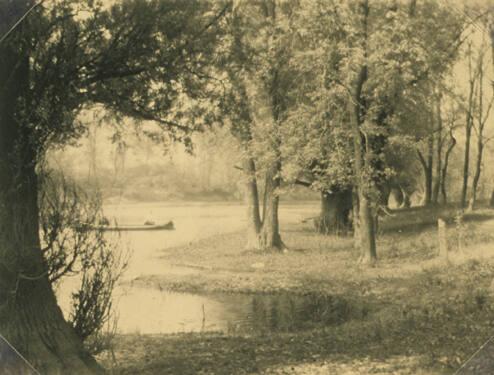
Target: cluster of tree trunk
[
  {"x": 263, "y": 232},
  {"x": 435, "y": 161},
  {"x": 335, "y": 215},
  {"x": 472, "y": 82},
  {"x": 482, "y": 110}
]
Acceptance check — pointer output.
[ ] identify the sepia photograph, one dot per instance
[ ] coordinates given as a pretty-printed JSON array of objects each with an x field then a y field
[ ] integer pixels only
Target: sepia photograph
[{"x": 228, "y": 187}]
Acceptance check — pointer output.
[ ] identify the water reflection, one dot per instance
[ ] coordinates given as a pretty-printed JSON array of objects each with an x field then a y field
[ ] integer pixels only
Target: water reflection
[
  {"x": 285, "y": 312},
  {"x": 152, "y": 311}
]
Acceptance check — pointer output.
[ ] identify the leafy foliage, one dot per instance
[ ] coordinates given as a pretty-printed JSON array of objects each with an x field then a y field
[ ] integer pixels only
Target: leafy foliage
[
  {"x": 399, "y": 69},
  {"x": 135, "y": 58},
  {"x": 74, "y": 246}
]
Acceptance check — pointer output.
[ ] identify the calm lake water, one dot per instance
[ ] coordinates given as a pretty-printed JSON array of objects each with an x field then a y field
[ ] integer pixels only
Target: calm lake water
[
  {"x": 172, "y": 312},
  {"x": 149, "y": 311}
]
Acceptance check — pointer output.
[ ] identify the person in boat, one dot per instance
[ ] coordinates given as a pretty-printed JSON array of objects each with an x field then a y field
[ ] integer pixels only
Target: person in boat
[{"x": 104, "y": 221}]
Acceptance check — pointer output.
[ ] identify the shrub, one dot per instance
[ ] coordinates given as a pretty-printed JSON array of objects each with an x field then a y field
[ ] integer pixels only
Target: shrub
[{"x": 73, "y": 244}]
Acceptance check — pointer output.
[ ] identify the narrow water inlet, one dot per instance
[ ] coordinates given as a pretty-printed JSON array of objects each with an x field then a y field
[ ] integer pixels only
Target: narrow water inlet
[
  {"x": 148, "y": 311},
  {"x": 152, "y": 311}
]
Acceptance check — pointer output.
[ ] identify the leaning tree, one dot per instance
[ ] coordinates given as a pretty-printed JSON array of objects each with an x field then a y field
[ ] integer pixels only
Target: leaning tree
[{"x": 134, "y": 58}]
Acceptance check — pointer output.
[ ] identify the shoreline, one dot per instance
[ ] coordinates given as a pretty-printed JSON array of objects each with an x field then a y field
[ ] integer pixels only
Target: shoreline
[{"x": 438, "y": 316}]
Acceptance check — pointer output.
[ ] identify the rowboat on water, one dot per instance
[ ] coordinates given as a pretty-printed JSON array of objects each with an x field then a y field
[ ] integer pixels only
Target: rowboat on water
[{"x": 119, "y": 228}]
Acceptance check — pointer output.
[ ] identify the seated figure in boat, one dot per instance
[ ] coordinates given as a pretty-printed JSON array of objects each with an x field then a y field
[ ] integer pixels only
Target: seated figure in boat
[{"x": 104, "y": 221}]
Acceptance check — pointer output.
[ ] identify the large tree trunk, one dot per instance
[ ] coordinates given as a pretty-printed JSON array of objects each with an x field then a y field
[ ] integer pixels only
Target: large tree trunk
[
  {"x": 30, "y": 318},
  {"x": 252, "y": 203},
  {"x": 366, "y": 227},
  {"x": 269, "y": 236},
  {"x": 335, "y": 212},
  {"x": 262, "y": 234},
  {"x": 368, "y": 253}
]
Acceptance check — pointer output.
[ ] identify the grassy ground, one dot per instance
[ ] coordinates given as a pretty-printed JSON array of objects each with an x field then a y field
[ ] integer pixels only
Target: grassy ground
[{"x": 424, "y": 314}]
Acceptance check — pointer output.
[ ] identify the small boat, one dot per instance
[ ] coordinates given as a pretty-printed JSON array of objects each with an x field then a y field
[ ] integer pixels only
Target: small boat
[{"x": 119, "y": 228}]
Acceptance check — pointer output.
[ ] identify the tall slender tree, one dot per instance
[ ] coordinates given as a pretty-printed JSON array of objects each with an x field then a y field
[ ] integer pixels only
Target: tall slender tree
[
  {"x": 469, "y": 122},
  {"x": 481, "y": 116}
]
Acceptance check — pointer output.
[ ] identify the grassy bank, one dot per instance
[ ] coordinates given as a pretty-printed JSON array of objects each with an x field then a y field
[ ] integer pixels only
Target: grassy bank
[
  {"x": 325, "y": 264},
  {"x": 425, "y": 314}
]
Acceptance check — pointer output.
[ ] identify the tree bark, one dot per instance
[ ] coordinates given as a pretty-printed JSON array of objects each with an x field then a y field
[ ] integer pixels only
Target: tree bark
[
  {"x": 401, "y": 196},
  {"x": 428, "y": 173},
  {"x": 355, "y": 219},
  {"x": 398, "y": 196},
  {"x": 468, "y": 131},
  {"x": 366, "y": 231},
  {"x": 427, "y": 163},
  {"x": 412, "y": 6},
  {"x": 30, "y": 318},
  {"x": 480, "y": 132},
  {"x": 384, "y": 193},
  {"x": 439, "y": 152},
  {"x": 444, "y": 171},
  {"x": 466, "y": 166},
  {"x": 252, "y": 203},
  {"x": 269, "y": 235},
  {"x": 368, "y": 253},
  {"x": 262, "y": 233},
  {"x": 335, "y": 212},
  {"x": 407, "y": 203},
  {"x": 478, "y": 170}
]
